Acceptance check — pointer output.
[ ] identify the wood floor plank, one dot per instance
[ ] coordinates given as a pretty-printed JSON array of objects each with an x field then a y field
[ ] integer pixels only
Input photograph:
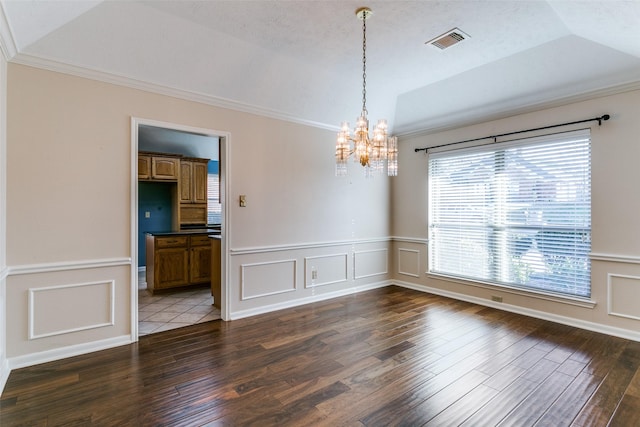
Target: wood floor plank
[
  {"x": 435, "y": 404},
  {"x": 456, "y": 413},
  {"x": 604, "y": 402},
  {"x": 530, "y": 409},
  {"x": 564, "y": 410},
  {"x": 494, "y": 411},
  {"x": 627, "y": 413},
  {"x": 389, "y": 356}
]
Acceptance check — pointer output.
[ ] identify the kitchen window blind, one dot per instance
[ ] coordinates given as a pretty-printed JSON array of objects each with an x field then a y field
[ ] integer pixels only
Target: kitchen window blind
[
  {"x": 214, "y": 208},
  {"x": 515, "y": 214}
]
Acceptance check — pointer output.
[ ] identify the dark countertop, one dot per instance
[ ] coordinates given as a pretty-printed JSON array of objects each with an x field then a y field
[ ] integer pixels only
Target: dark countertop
[{"x": 185, "y": 232}]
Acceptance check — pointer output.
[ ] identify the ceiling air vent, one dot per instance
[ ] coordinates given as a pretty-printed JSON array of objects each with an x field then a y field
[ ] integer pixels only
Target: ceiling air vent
[{"x": 448, "y": 39}]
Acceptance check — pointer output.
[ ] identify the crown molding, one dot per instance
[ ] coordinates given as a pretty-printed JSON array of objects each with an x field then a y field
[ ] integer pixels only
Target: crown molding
[
  {"x": 7, "y": 42},
  {"x": 472, "y": 117},
  {"x": 126, "y": 81},
  {"x": 480, "y": 115}
]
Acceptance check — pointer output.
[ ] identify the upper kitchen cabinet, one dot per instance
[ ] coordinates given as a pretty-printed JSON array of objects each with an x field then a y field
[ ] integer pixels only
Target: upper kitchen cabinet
[
  {"x": 144, "y": 167},
  {"x": 193, "y": 191},
  {"x": 158, "y": 167},
  {"x": 193, "y": 180}
]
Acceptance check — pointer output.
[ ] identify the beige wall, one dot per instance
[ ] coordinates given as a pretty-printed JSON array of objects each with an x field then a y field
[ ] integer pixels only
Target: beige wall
[
  {"x": 68, "y": 213},
  {"x": 69, "y": 209},
  {"x": 615, "y": 221}
]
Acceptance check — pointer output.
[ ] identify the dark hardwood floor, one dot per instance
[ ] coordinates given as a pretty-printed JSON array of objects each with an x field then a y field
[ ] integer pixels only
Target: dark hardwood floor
[{"x": 391, "y": 356}]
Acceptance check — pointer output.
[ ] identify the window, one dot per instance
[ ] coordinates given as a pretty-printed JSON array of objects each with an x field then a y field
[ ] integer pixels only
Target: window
[
  {"x": 214, "y": 208},
  {"x": 516, "y": 214}
]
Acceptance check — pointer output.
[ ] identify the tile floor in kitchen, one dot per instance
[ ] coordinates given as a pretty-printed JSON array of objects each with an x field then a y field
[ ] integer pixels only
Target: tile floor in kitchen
[{"x": 170, "y": 310}]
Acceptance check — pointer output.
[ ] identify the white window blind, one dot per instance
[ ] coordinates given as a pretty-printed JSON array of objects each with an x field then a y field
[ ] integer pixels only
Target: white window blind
[
  {"x": 515, "y": 214},
  {"x": 214, "y": 208}
]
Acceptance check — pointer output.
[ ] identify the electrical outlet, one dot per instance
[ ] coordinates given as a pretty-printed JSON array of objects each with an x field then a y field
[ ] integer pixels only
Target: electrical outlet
[
  {"x": 243, "y": 201},
  {"x": 314, "y": 274},
  {"x": 496, "y": 298},
  {"x": 147, "y": 214}
]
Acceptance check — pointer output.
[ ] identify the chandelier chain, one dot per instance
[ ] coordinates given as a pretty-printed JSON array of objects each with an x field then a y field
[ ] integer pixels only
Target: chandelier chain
[{"x": 364, "y": 63}]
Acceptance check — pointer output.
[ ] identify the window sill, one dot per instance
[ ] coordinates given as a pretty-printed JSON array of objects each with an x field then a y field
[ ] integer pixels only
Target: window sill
[{"x": 547, "y": 296}]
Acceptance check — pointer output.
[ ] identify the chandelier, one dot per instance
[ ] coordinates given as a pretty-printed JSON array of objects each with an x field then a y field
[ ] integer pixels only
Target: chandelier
[{"x": 371, "y": 152}]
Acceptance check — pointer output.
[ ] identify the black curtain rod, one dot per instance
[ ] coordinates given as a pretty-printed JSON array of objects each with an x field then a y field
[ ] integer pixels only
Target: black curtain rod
[{"x": 494, "y": 137}]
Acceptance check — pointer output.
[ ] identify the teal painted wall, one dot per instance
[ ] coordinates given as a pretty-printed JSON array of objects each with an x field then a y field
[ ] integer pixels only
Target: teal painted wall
[{"x": 155, "y": 198}]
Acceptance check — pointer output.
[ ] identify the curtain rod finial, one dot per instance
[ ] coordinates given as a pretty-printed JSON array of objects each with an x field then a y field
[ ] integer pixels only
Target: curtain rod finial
[{"x": 605, "y": 118}]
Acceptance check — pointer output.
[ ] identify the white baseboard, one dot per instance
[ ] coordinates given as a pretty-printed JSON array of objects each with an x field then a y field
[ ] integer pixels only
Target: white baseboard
[
  {"x": 64, "y": 352},
  {"x": 4, "y": 374},
  {"x": 302, "y": 301},
  {"x": 61, "y": 353},
  {"x": 142, "y": 284},
  {"x": 569, "y": 321}
]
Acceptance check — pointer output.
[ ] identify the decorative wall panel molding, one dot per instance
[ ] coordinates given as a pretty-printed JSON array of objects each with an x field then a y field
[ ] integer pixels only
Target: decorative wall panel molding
[
  {"x": 325, "y": 269},
  {"x": 267, "y": 278},
  {"x": 370, "y": 263},
  {"x": 409, "y": 262},
  {"x": 57, "y": 310},
  {"x": 622, "y": 296}
]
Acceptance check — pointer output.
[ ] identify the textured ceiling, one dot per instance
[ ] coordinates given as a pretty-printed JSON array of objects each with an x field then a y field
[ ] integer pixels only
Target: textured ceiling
[{"x": 301, "y": 60}]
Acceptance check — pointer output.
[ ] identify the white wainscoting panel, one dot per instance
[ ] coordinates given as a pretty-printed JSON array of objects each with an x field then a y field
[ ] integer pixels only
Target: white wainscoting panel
[
  {"x": 325, "y": 269},
  {"x": 268, "y": 278},
  {"x": 370, "y": 263},
  {"x": 622, "y": 293},
  {"x": 409, "y": 262},
  {"x": 54, "y": 310}
]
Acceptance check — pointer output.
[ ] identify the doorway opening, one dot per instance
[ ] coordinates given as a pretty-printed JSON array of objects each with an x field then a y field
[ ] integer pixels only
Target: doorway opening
[{"x": 179, "y": 200}]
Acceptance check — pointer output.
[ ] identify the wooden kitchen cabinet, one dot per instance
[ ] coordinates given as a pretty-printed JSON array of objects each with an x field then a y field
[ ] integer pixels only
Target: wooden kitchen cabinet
[
  {"x": 193, "y": 180},
  {"x": 200, "y": 259},
  {"x": 158, "y": 167},
  {"x": 165, "y": 168},
  {"x": 193, "y": 191},
  {"x": 144, "y": 167},
  {"x": 216, "y": 260},
  {"x": 167, "y": 262},
  {"x": 177, "y": 260},
  {"x": 190, "y": 174}
]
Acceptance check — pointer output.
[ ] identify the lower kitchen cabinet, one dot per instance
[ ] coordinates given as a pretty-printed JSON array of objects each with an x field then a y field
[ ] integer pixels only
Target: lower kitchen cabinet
[
  {"x": 175, "y": 261},
  {"x": 200, "y": 259},
  {"x": 216, "y": 283}
]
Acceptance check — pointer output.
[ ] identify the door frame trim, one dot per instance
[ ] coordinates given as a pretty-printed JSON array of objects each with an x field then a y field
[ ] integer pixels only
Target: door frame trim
[{"x": 225, "y": 145}]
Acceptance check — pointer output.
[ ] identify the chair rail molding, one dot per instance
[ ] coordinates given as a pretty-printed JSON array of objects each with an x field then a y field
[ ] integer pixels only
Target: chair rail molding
[
  {"x": 628, "y": 259},
  {"x": 65, "y": 266}
]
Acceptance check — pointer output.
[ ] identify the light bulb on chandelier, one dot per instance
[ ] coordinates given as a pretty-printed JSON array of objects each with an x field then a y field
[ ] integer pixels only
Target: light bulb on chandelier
[{"x": 370, "y": 152}]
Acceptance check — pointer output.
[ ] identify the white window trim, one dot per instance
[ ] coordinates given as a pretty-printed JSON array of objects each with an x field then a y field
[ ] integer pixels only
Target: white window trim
[{"x": 547, "y": 295}]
